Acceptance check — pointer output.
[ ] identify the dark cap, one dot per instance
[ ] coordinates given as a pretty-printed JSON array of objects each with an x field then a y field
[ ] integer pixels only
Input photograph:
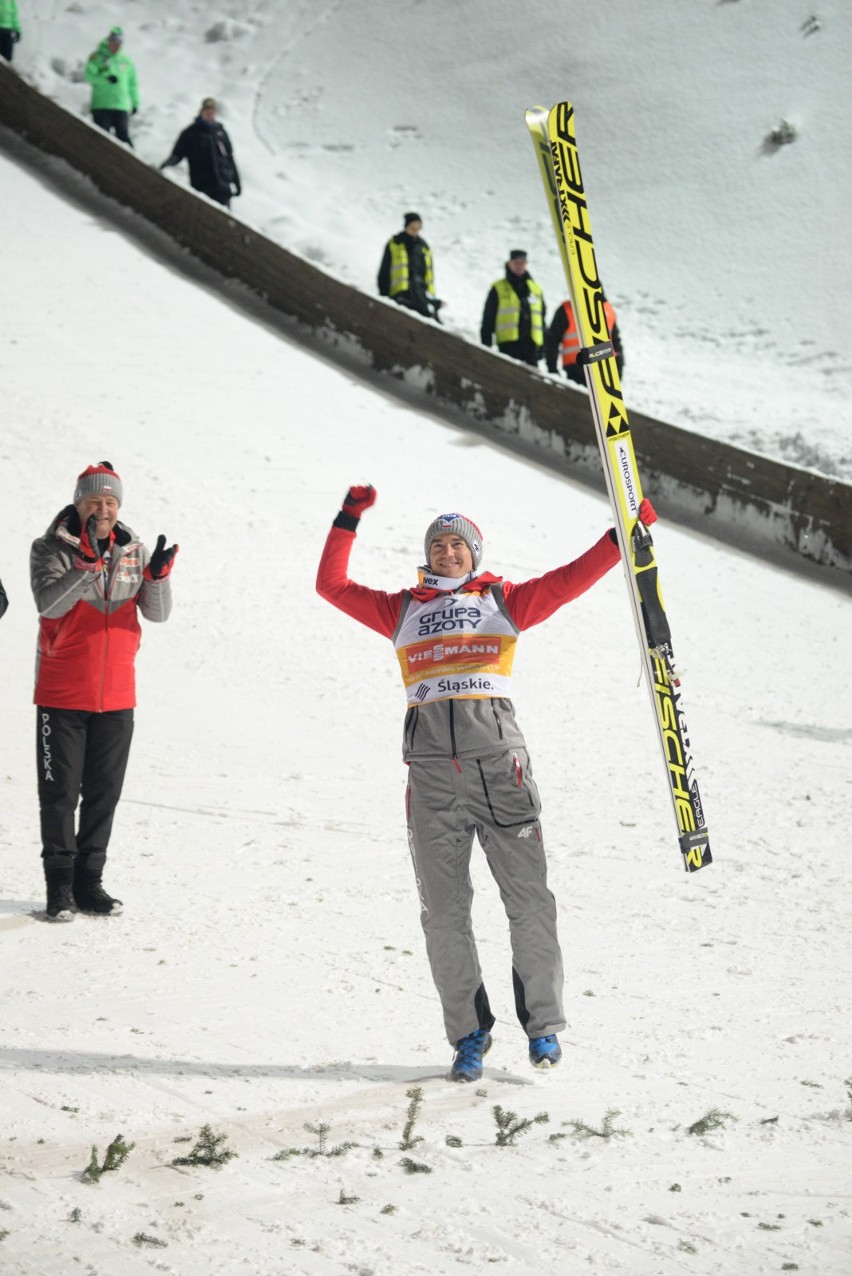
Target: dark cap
[
  {"x": 518, "y": 254},
  {"x": 408, "y": 218}
]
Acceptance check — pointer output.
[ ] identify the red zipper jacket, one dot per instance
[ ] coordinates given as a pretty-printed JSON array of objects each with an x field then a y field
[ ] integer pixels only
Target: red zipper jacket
[{"x": 528, "y": 603}]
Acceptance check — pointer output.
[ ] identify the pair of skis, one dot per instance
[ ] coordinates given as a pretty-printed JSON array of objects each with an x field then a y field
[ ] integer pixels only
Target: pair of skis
[{"x": 552, "y": 133}]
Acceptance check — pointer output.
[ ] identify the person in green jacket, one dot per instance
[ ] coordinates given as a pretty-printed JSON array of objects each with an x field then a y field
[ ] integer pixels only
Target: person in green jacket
[
  {"x": 115, "y": 95},
  {"x": 10, "y": 28}
]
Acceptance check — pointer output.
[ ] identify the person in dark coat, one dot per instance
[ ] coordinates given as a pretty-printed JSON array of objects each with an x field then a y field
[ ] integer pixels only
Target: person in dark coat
[
  {"x": 4, "y": 601},
  {"x": 407, "y": 273},
  {"x": 513, "y": 315},
  {"x": 207, "y": 147}
]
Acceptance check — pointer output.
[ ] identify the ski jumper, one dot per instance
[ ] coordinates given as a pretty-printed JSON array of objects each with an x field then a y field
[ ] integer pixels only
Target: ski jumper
[{"x": 469, "y": 769}]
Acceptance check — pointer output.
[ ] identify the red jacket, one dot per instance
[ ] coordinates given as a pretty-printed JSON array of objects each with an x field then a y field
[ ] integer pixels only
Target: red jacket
[
  {"x": 448, "y": 727},
  {"x": 528, "y": 603},
  {"x": 89, "y": 629}
]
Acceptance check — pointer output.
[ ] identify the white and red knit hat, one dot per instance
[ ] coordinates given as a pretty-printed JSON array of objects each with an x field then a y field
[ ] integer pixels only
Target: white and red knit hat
[
  {"x": 96, "y": 479},
  {"x": 463, "y": 527}
]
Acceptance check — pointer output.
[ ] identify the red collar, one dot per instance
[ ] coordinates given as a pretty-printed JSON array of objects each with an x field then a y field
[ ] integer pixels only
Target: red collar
[{"x": 479, "y": 585}]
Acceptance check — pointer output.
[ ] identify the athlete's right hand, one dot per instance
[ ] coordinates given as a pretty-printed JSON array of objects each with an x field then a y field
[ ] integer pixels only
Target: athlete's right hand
[{"x": 358, "y": 499}]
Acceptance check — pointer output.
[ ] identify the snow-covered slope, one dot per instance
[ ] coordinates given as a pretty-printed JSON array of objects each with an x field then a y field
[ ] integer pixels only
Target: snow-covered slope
[
  {"x": 268, "y": 971},
  {"x": 727, "y": 256}
]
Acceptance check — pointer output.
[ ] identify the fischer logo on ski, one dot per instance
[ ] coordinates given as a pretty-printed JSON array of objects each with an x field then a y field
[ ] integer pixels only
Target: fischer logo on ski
[{"x": 552, "y": 133}]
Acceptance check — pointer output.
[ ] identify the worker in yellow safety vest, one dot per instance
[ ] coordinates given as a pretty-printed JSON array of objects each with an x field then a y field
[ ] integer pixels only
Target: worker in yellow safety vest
[
  {"x": 407, "y": 274},
  {"x": 514, "y": 312}
]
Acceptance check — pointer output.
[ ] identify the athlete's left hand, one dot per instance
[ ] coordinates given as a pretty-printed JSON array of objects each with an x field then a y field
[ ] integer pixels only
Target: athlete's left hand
[{"x": 647, "y": 513}]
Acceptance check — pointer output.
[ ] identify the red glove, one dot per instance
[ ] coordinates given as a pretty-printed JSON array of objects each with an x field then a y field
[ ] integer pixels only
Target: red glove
[
  {"x": 358, "y": 499},
  {"x": 647, "y": 513}
]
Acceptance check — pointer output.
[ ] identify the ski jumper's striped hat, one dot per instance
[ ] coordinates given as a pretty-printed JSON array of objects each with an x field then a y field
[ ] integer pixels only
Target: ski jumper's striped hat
[
  {"x": 461, "y": 526},
  {"x": 97, "y": 479}
]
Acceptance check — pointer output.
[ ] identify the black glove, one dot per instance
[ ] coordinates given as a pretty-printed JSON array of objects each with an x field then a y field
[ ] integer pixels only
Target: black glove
[
  {"x": 113, "y": 79},
  {"x": 162, "y": 560},
  {"x": 88, "y": 553},
  {"x": 135, "y": 109}
]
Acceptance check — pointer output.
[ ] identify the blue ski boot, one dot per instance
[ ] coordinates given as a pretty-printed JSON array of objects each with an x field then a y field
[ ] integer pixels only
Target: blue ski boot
[
  {"x": 545, "y": 1052},
  {"x": 467, "y": 1065}
]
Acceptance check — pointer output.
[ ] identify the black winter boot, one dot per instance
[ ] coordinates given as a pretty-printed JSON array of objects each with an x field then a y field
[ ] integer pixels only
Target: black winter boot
[
  {"x": 89, "y": 894},
  {"x": 59, "y": 877}
]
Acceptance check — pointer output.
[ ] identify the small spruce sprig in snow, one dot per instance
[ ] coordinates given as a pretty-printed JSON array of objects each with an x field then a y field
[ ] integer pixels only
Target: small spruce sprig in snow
[
  {"x": 142, "y": 1238},
  {"x": 608, "y": 1129},
  {"x": 408, "y": 1141},
  {"x": 208, "y": 1150},
  {"x": 116, "y": 1154},
  {"x": 712, "y": 1120},
  {"x": 510, "y": 1125},
  {"x": 415, "y": 1167},
  {"x": 848, "y": 1084},
  {"x": 322, "y": 1149}
]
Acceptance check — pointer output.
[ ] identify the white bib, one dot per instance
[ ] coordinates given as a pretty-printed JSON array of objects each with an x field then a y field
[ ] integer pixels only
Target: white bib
[{"x": 456, "y": 646}]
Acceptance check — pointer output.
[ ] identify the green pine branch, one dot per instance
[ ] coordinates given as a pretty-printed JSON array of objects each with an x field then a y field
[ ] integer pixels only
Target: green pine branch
[
  {"x": 510, "y": 1125},
  {"x": 116, "y": 1154},
  {"x": 208, "y": 1150},
  {"x": 607, "y": 1130}
]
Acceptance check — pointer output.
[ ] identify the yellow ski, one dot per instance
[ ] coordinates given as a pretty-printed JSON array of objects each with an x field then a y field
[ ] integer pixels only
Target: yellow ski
[{"x": 552, "y": 133}]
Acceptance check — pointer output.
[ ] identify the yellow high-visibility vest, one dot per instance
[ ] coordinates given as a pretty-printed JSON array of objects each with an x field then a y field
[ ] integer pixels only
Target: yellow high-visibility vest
[
  {"x": 507, "y": 324},
  {"x": 399, "y": 281}
]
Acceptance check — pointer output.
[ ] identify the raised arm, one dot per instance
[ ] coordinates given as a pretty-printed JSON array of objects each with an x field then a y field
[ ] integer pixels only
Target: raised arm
[
  {"x": 532, "y": 601},
  {"x": 373, "y": 607}
]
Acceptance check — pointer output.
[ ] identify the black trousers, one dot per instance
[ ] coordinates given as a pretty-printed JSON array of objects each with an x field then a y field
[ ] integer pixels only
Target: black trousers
[
  {"x": 81, "y": 757},
  {"x": 221, "y": 194},
  {"x": 7, "y": 43},
  {"x": 523, "y": 350},
  {"x": 114, "y": 122}
]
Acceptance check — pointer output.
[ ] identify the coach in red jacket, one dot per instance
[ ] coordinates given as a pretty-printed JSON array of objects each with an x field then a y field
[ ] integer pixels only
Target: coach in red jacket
[
  {"x": 469, "y": 771},
  {"x": 91, "y": 575}
]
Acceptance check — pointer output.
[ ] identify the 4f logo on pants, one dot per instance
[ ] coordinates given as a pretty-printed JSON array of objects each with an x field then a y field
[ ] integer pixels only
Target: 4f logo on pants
[
  {"x": 46, "y": 754},
  {"x": 527, "y": 831}
]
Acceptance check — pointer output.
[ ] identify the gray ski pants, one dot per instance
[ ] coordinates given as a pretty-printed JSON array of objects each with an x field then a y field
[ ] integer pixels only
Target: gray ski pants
[{"x": 495, "y": 797}]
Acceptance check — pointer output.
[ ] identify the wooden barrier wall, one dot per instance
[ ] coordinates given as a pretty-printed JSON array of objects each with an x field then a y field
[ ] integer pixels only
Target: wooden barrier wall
[{"x": 793, "y": 517}]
